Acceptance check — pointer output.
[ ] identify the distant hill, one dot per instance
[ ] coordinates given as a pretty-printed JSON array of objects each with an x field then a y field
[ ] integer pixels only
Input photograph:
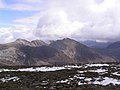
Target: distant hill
[
  {"x": 94, "y": 44},
  {"x": 113, "y": 51},
  {"x": 114, "y": 45},
  {"x": 59, "y": 52}
]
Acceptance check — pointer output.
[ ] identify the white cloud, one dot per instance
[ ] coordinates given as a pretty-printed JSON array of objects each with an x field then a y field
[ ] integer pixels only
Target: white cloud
[
  {"x": 57, "y": 25},
  {"x": 1, "y": 4},
  {"x": 80, "y": 19},
  {"x": 9, "y": 34},
  {"x": 22, "y": 5},
  {"x": 30, "y": 1},
  {"x": 5, "y": 35},
  {"x": 32, "y": 20},
  {"x": 104, "y": 6}
]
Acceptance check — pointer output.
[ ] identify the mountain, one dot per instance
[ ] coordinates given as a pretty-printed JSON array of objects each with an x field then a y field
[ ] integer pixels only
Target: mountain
[
  {"x": 37, "y": 43},
  {"x": 78, "y": 52},
  {"x": 113, "y": 51},
  {"x": 23, "y": 42},
  {"x": 11, "y": 53},
  {"x": 37, "y": 52},
  {"x": 23, "y": 52},
  {"x": 45, "y": 55},
  {"x": 94, "y": 44},
  {"x": 114, "y": 45}
]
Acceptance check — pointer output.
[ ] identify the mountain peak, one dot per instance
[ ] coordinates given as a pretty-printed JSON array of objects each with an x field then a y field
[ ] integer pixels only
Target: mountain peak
[
  {"x": 68, "y": 39},
  {"x": 22, "y": 42},
  {"x": 34, "y": 43},
  {"x": 38, "y": 43}
]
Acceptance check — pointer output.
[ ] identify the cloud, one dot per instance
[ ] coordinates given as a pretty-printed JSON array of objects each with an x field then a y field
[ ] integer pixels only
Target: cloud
[
  {"x": 5, "y": 35},
  {"x": 30, "y": 1},
  {"x": 32, "y": 20},
  {"x": 1, "y": 4},
  {"x": 77, "y": 19},
  {"x": 56, "y": 25},
  {"x": 80, "y": 19},
  {"x": 9, "y": 34},
  {"x": 22, "y": 5}
]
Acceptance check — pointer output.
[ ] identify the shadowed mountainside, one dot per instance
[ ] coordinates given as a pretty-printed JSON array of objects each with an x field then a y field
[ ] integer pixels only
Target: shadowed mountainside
[{"x": 113, "y": 51}]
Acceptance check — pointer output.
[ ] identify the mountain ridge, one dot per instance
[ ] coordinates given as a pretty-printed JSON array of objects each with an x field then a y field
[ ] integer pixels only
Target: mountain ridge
[{"x": 59, "y": 52}]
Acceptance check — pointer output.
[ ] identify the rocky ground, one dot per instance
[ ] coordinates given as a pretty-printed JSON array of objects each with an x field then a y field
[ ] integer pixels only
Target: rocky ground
[{"x": 68, "y": 77}]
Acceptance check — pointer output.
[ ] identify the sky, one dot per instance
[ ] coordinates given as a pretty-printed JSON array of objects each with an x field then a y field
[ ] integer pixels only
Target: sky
[{"x": 97, "y": 20}]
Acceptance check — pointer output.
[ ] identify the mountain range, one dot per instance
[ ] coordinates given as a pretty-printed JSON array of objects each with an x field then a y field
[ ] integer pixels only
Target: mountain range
[
  {"x": 96, "y": 44},
  {"x": 59, "y": 52}
]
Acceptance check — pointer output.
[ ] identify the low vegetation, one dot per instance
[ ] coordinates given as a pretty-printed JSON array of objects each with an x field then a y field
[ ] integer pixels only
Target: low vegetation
[{"x": 83, "y": 77}]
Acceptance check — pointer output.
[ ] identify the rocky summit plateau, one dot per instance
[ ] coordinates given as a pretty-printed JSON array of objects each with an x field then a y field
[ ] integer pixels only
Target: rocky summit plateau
[{"x": 66, "y": 51}]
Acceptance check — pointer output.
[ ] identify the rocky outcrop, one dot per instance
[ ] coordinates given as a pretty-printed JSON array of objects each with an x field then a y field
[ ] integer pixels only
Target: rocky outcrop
[{"x": 12, "y": 56}]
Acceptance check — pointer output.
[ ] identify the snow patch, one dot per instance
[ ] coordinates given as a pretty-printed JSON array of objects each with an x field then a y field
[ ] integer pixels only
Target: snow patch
[
  {"x": 107, "y": 81},
  {"x": 40, "y": 69},
  {"x": 98, "y": 70},
  {"x": 116, "y": 73},
  {"x": 97, "y": 65},
  {"x": 7, "y": 79}
]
